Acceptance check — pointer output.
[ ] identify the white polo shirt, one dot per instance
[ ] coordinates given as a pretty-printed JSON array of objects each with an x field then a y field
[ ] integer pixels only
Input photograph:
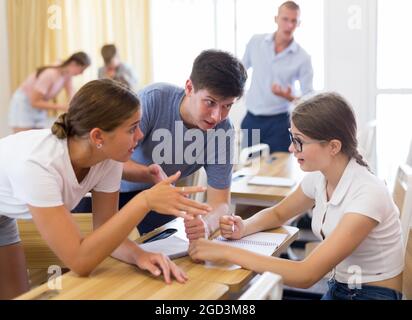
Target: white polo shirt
[
  {"x": 35, "y": 169},
  {"x": 380, "y": 255}
]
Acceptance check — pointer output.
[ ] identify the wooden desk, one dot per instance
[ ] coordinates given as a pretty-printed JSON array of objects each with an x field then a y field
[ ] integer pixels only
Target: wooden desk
[
  {"x": 116, "y": 280},
  {"x": 284, "y": 165},
  {"x": 235, "y": 279},
  {"x": 113, "y": 279}
]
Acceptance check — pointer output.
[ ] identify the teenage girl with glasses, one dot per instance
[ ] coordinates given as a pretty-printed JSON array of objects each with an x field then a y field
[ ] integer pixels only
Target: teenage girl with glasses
[{"x": 353, "y": 213}]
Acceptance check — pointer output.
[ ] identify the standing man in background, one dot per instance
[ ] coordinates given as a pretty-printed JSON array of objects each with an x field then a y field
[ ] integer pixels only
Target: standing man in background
[{"x": 277, "y": 61}]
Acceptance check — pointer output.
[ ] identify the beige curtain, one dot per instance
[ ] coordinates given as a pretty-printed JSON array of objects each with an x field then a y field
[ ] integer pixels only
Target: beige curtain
[
  {"x": 28, "y": 34},
  {"x": 86, "y": 25}
]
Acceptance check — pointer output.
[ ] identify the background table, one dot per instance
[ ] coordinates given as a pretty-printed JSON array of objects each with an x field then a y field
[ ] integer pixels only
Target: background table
[{"x": 281, "y": 164}]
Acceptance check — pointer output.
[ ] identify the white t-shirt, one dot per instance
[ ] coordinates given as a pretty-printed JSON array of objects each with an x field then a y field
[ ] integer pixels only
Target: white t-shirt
[
  {"x": 35, "y": 169},
  {"x": 380, "y": 255}
]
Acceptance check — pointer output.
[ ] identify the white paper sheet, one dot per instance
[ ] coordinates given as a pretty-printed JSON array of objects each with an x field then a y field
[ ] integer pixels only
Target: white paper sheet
[{"x": 272, "y": 181}]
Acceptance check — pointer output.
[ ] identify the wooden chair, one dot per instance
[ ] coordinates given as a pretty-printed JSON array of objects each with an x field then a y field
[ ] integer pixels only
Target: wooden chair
[
  {"x": 267, "y": 287},
  {"x": 407, "y": 272},
  {"x": 39, "y": 257},
  {"x": 402, "y": 196}
]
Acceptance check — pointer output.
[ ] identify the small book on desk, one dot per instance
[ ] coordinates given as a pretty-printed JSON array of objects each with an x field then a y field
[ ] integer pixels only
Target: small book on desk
[{"x": 272, "y": 181}]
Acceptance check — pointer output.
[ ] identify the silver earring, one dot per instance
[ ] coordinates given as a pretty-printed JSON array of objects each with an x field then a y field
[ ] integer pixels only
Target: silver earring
[{"x": 99, "y": 146}]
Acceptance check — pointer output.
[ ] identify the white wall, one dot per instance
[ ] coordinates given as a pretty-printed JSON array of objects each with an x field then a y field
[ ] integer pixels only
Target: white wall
[
  {"x": 350, "y": 40},
  {"x": 4, "y": 66}
]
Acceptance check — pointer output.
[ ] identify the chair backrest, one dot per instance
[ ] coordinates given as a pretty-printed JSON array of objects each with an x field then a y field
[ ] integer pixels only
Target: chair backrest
[
  {"x": 37, "y": 252},
  {"x": 200, "y": 179},
  {"x": 407, "y": 271},
  {"x": 409, "y": 158},
  {"x": 259, "y": 151},
  {"x": 367, "y": 141},
  {"x": 267, "y": 287},
  {"x": 402, "y": 196}
]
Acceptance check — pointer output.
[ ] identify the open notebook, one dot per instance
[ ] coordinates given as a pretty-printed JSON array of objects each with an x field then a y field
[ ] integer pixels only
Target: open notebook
[
  {"x": 176, "y": 245},
  {"x": 264, "y": 243}
]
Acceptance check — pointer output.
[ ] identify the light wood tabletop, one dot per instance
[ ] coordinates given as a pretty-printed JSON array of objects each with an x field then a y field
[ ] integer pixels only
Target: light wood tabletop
[
  {"x": 113, "y": 279},
  {"x": 281, "y": 164},
  {"x": 116, "y": 280}
]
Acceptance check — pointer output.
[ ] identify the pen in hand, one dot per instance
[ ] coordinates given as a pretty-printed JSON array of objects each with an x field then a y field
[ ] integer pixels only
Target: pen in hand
[{"x": 233, "y": 222}]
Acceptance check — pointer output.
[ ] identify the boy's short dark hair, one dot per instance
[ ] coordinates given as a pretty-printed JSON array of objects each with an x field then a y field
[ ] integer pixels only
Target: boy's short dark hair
[{"x": 219, "y": 72}]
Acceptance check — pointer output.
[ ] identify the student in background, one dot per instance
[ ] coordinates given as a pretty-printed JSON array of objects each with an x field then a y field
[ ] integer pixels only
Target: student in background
[
  {"x": 45, "y": 173},
  {"x": 353, "y": 213},
  {"x": 31, "y": 101},
  {"x": 277, "y": 61},
  {"x": 115, "y": 69}
]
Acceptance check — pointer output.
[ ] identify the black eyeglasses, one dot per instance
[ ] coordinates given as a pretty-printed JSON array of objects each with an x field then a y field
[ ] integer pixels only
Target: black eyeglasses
[{"x": 298, "y": 144}]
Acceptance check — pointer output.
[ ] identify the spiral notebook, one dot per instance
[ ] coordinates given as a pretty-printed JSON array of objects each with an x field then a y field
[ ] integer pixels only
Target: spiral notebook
[{"x": 264, "y": 243}]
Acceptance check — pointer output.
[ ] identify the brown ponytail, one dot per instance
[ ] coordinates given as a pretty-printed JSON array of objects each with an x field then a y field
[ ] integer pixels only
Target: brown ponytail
[
  {"x": 61, "y": 127},
  {"x": 103, "y": 104},
  {"x": 359, "y": 159}
]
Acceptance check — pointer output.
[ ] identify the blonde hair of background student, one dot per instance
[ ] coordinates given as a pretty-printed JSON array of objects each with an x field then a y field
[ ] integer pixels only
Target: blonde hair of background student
[
  {"x": 29, "y": 112},
  {"x": 323, "y": 133},
  {"x": 101, "y": 124}
]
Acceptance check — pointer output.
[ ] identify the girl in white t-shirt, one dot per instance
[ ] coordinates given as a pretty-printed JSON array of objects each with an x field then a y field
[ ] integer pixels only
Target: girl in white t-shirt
[
  {"x": 45, "y": 173},
  {"x": 353, "y": 212}
]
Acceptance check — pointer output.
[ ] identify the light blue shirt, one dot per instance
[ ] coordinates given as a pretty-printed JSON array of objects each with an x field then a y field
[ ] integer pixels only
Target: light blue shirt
[{"x": 285, "y": 68}]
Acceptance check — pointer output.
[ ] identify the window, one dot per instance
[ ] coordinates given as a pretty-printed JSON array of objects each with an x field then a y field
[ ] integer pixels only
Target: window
[
  {"x": 394, "y": 49},
  {"x": 181, "y": 29},
  {"x": 394, "y": 114},
  {"x": 394, "y": 86}
]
